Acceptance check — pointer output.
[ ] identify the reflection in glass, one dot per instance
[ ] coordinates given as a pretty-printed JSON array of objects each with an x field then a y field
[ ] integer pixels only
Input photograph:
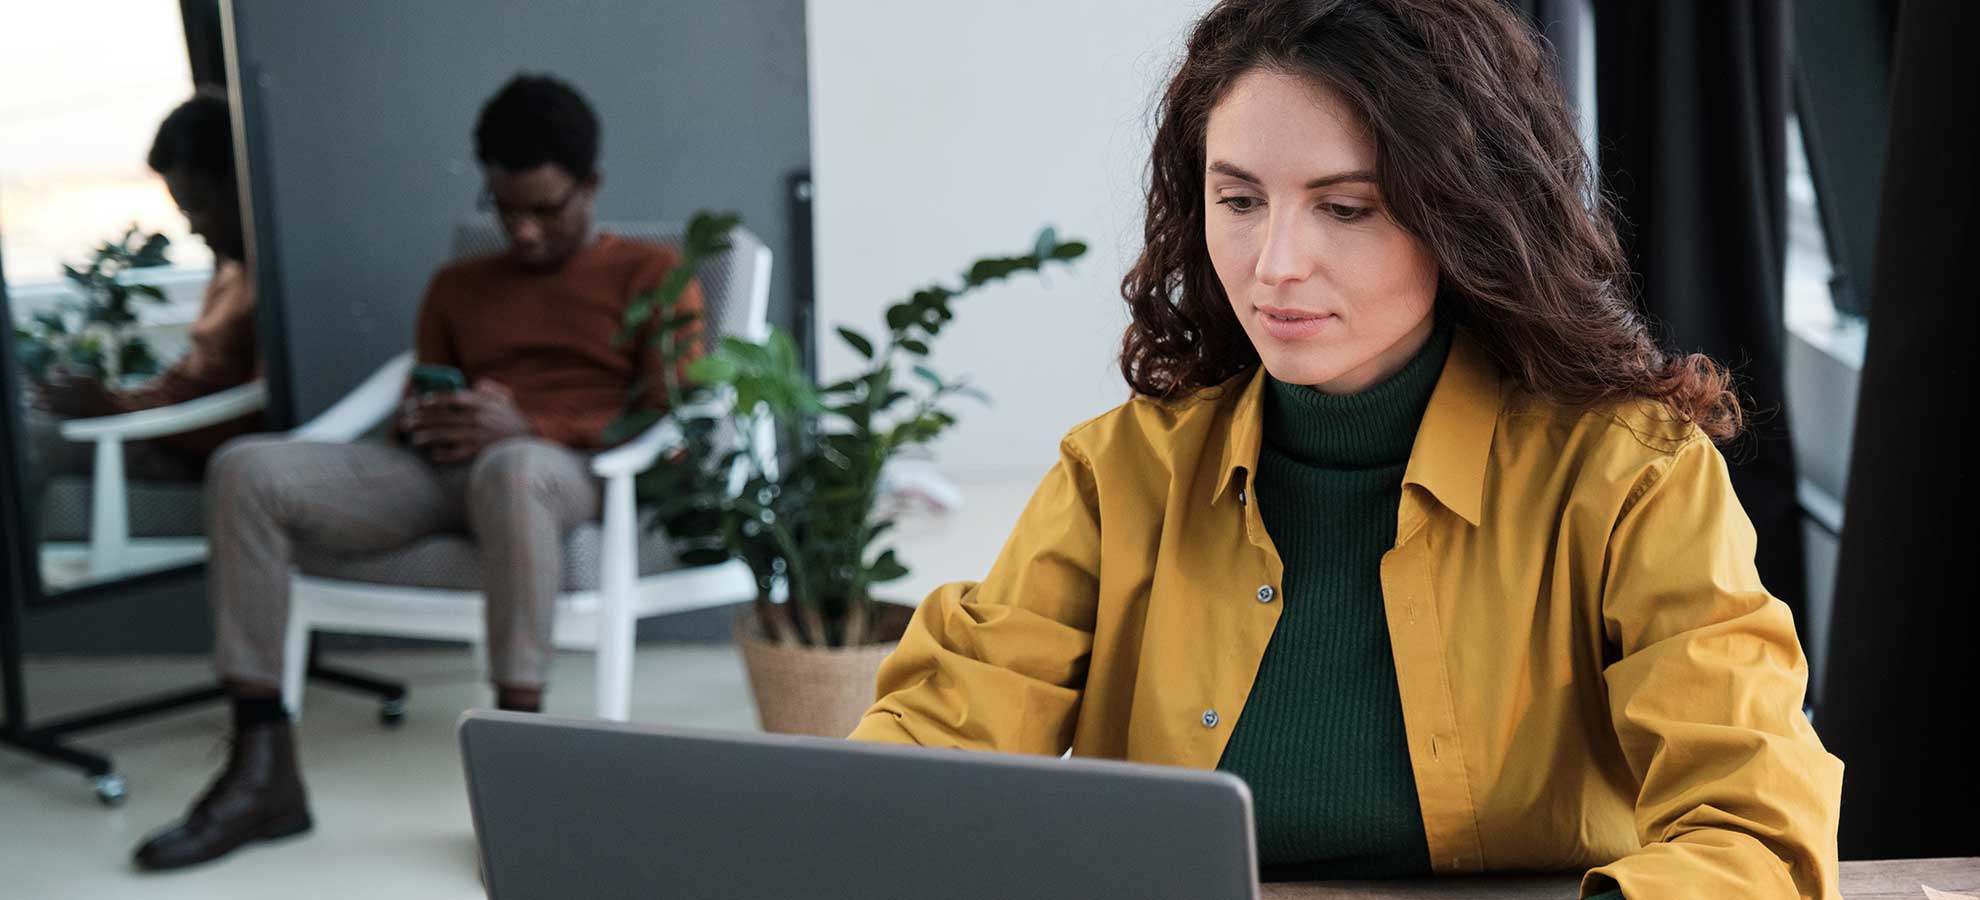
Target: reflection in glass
[{"x": 132, "y": 315}]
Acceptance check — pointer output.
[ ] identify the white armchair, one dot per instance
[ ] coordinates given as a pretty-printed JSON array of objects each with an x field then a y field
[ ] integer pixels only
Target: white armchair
[
  {"x": 616, "y": 571},
  {"x": 110, "y": 549}
]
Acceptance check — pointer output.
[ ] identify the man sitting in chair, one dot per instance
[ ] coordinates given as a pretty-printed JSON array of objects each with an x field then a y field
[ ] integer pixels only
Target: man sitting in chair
[
  {"x": 194, "y": 151},
  {"x": 504, "y": 459}
]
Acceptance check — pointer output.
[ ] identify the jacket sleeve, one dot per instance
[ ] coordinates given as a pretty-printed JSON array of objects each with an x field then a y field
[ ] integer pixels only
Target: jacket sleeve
[
  {"x": 1737, "y": 796},
  {"x": 1000, "y": 665}
]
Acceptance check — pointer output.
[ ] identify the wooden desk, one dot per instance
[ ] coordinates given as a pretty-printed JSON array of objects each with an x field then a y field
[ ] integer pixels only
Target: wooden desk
[{"x": 1884, "y": 880}]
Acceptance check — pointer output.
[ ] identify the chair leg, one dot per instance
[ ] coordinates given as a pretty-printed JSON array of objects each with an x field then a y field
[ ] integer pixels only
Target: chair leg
[
  {"x": 296, "y": 660},
  {"x": 391, "y": 694},
  {"x": 615, "y": 671},
  {"x": 618, "y": 570},
  {"x": 478, "y": 651}
]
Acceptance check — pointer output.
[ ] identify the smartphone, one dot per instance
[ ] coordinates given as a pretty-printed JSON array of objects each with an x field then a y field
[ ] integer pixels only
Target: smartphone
[{"x": 428, "y": 378}]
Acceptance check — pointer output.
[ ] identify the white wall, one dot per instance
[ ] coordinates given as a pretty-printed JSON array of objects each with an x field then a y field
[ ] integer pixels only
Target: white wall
[{"x": 944, "y": 130}]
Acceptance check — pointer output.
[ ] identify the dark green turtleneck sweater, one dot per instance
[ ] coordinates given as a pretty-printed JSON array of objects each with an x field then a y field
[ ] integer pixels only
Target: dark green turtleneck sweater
[{"x": 1320, "y": 741}]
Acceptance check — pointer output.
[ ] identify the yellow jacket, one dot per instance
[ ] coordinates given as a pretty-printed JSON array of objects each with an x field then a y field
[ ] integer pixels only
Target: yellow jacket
[{"x": 1592, "y": 675}]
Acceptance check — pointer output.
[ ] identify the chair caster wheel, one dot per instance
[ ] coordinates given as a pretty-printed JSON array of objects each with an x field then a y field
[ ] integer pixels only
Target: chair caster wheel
[
  {"x": 109, "y": 787},
  {"x": 392, "y": 713}
]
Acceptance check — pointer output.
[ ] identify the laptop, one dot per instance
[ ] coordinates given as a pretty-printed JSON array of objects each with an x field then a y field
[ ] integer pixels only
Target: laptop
[{"x": 583, "y": 808}]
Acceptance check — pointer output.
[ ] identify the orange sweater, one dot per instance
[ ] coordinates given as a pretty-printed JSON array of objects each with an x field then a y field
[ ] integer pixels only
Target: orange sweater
[
  {"x": 220, "y": 354},
  {"x": 550, "y": 336}
]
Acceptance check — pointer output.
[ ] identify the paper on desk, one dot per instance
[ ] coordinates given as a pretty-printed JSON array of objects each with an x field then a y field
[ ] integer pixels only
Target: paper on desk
[{"x": 1931, "y": 894}]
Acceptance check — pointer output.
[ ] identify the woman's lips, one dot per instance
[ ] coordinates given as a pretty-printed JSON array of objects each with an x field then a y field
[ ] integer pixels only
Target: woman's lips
[{"x": 1292, "y": 324}]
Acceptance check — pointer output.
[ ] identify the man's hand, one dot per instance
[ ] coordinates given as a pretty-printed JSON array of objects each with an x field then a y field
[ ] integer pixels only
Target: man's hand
[
  {"x": 455, "y": 427},
  {"x": 73, "y": 396}
]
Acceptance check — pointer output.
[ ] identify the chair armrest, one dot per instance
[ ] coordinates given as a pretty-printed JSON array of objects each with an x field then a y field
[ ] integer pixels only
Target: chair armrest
[
  {"x": 178, "y": 418},
  {"x": 634, "y": 456},
  {"x": 363, "y": 408}
]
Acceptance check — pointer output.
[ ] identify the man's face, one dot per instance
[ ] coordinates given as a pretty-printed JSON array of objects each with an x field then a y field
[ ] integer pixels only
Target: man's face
[
  {"x": 545, "y": 211},
  {"x": 212, "y": 209}
]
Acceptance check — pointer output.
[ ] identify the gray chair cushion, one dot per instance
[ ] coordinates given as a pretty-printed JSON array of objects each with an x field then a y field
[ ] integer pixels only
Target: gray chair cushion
[
  {"x": 452, "y": 562},
  {"x": 157, "y": 509}
]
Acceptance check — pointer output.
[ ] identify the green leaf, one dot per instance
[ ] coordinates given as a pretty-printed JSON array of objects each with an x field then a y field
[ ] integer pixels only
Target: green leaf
[
  {"x": 783, "y": 352},
  {"x": 677, "y": 322},
  {"x": 630, "y": 425},
  {"x": 153, "y": 251},
  {"x": 858, "y": 342},
  {"x": 986, "y": 270},
  {"x": 853, "y": 411},
  {"x": 741, "y": 348},
  {"x": 900, "y": 316},
  {"x": 148, "y": 290},
  {"x": 1069, "y": 250},
  {"x": 1048, "y": 240},
  {"x": 886, "y": 568},
  {"x": 707, "y": 232},
  {"x": 913, "y": 346},
  {"x": 716, "y": 369},
  {"x": 876, "y": 529},
  {"x": 927, "y": 374},
  {"x": 134, "y": 358}
]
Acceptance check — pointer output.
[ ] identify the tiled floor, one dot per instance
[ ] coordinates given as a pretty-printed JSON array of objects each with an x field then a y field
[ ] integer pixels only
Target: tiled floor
[{"x": 390, "y": 807}]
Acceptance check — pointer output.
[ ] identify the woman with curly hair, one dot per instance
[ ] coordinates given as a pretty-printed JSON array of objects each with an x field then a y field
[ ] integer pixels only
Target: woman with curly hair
[{"x": 1410, "y": 522}]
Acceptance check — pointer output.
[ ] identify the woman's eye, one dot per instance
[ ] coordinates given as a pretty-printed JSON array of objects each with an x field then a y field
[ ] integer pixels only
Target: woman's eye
[
  {"x": 1239, "y": 204},
  {"x": 1343, "y": 213}
]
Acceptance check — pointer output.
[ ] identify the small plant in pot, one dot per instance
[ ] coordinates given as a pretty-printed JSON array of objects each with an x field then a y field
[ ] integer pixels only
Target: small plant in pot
[
  {"x": 808, "y": 518},
  {"x": 95, "y": 332}
]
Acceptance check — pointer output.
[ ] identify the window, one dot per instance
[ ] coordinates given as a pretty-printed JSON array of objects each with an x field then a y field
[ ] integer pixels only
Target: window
[{"x": 76, "y": 122}]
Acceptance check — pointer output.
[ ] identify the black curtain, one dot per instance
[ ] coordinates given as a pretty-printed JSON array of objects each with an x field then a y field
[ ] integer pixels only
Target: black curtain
[
  {"x": 1842, "y": 94},
  {"x": 1691, "y": 119},
  {"x": 1901, "y": 692}
]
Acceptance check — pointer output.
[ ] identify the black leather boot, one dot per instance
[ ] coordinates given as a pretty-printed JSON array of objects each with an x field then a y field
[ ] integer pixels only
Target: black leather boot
[{"x": 257, "y": 797}]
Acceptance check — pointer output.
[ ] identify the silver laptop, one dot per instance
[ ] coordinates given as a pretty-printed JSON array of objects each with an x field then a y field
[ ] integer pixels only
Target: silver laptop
[{"x": 578, "y": 808}]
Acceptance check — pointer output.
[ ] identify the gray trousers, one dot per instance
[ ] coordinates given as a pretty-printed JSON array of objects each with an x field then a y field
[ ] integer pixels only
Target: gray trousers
[{"x": 518, "y": 500}]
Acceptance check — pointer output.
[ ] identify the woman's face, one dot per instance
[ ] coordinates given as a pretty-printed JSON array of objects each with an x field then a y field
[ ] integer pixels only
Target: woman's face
[{"x": 1332, "y": 292}]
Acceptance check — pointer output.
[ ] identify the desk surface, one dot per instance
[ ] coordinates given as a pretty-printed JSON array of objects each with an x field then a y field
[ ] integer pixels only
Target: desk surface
[{"x": 1883, "y": 880}]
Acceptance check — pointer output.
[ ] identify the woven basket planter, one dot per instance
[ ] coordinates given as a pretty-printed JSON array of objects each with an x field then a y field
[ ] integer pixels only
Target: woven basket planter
[{"x": 819, "y": 691}]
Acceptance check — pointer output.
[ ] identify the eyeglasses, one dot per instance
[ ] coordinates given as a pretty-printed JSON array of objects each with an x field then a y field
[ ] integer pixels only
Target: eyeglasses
[{"x": 542, "y": 212}]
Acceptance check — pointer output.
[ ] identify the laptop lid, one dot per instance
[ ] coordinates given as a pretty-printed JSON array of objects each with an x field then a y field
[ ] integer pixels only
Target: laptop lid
[{"x": 566, "y": 808}]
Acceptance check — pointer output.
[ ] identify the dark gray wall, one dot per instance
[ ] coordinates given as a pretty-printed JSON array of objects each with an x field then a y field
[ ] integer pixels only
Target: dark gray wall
[{"x": 364, "y": 114}]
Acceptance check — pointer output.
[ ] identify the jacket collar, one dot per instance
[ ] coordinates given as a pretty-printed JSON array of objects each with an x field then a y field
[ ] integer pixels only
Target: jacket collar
[{"x": 1452, "y": 446}]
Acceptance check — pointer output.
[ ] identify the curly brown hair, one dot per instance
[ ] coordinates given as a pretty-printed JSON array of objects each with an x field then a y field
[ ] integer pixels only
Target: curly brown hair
[{"x": 1478, "y": 158}]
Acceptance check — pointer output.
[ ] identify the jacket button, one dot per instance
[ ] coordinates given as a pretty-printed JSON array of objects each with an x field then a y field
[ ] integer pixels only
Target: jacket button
[
  {"x": 1265, "y": 593},
  {"x": 1209, "y": 718}
]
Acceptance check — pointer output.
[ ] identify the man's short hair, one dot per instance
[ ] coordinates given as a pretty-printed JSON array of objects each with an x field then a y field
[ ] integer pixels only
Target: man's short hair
[
  {"x": 198, "y": 136},
  {"x": 537, "y": 119}
]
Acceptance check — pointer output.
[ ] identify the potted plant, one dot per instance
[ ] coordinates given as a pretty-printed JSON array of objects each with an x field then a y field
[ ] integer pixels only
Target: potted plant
[
  {"x": 94, "y": 333},
  {"x": 808, "y": 519}
]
